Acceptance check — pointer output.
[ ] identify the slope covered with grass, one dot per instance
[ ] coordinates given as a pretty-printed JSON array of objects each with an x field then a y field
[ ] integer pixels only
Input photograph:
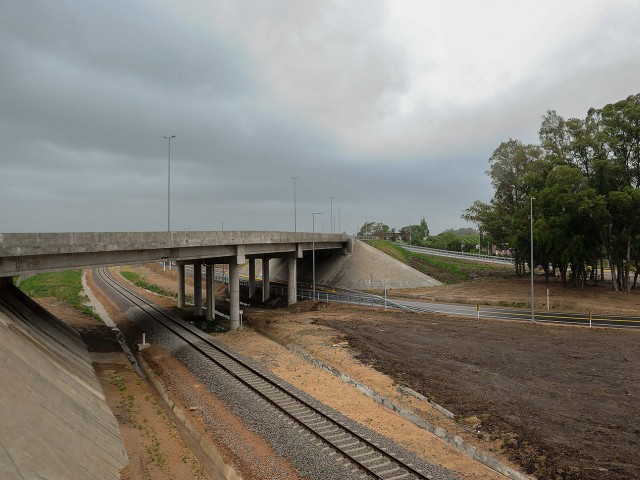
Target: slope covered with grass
[{"x": 446, "y": 270}]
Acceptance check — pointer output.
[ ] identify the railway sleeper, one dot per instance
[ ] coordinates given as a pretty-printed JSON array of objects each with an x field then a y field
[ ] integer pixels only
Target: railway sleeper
[
  {"x": 336, "y": 436},
  {"x": 399, "y": 477},
  {"x": 366, "y": 454},
  {"x": 389, "y": 471},
  {"x": 349, "y": 442},
  {"x": 327, "y": 429},
  {"x": 385, "y": 461},
  {"x": 307, "y": 417},
  {"x": 297, "y": 411},
  {"x": 350, "y": 452},
  {"x": 317, "y": 422}
]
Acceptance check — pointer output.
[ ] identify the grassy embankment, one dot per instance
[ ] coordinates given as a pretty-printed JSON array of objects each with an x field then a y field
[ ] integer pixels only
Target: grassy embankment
[
  {"x": 65, "y": 286},
  {"x": 138, "y": 281},
  {"x": 446, "y": 270}
]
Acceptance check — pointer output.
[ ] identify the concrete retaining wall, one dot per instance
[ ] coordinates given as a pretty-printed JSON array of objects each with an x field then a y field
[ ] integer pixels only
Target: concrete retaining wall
[{"x": 54, "y": 421}]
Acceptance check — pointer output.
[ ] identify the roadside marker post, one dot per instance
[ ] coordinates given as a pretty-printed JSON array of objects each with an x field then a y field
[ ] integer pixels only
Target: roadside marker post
[
  {"x": 385, "y": 298},
  {"x": 547, "y": 299},
  {"x": 590, "y": 318},
  {"x": 478, "y": 309}
]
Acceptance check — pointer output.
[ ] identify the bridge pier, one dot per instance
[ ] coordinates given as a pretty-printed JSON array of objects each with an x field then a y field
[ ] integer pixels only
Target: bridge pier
[
  {"x": 197, "y": 289},
  {"x": 181, "y": 293},
  {"x": 234, "y": 296},
  {"x": 252, "y": 277},
  {"x": 265, "y": 279},
  {"x": 292, "y": 285},
  {"x": 211, "y": 292}
]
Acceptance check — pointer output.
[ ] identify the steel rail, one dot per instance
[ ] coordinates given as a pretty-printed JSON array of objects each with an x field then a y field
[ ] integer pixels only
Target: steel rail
[{"x": 288, "y": 401}]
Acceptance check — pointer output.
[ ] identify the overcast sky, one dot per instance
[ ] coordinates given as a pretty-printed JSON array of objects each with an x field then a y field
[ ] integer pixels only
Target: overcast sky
[{"x": 391, "y": 107}]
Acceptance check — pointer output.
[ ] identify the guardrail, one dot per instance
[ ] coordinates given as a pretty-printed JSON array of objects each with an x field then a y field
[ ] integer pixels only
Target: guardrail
[{"x": 449, "y": 253}]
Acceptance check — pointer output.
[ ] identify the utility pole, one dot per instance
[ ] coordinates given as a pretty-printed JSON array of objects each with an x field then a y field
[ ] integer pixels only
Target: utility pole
[
  {"x": 531, "y": 266},
  {"x": 313, "y": 254},
  {"x": 331, "y": 198},
  {"x": 169, "y": 181},
  {"x": 295, "y": 213}
]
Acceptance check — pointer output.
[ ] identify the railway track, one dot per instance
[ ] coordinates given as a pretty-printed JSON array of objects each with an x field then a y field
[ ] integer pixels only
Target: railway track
[{"x": 373, "y": 460}]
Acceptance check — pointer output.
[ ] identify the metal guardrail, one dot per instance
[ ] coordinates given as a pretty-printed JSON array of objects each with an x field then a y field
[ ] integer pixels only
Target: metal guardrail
[{"x": 452, "y": 254}]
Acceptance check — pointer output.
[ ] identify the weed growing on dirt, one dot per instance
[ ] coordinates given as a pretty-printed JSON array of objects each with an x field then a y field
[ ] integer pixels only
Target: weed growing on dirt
[
  {"x": 155, "y": 452},
  {"x": 117, "y": 380},
  {"x": 65, "y": 286}
]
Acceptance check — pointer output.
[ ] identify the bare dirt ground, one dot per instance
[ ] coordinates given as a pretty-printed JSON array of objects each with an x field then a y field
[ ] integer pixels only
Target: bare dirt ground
[{"x": 561, "y": 402}]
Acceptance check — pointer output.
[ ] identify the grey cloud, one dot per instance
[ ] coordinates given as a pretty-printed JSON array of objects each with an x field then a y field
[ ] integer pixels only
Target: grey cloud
[{"x": 92, "y": 87}]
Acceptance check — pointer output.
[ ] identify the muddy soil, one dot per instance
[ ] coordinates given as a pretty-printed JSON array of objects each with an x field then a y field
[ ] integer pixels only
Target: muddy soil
[{"x": 562, "y": 402}]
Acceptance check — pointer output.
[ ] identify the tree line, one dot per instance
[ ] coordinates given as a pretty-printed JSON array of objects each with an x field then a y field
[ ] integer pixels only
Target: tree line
[
  {"x": 381, "y": 231},
  {"x": 583, "y": 179}
]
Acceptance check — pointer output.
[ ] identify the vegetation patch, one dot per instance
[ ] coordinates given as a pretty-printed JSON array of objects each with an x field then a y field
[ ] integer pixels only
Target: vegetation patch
[
  {"x": 139, "y": 281},
  {"x": 446, "y": 270},
  {"x": 65, "y": 286}
]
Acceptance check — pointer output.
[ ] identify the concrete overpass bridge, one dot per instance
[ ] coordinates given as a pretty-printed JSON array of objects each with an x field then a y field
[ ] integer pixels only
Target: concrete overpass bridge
[{"x": 25, "y": 253}]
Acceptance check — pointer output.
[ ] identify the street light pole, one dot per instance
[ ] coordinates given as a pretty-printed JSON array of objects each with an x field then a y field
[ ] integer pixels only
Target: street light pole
[
  {"x": 223, "y": 226},
  {"x": 339, "y": 226},
  {"x": 295, "y": 214},
  {"x": 531, "y": 265},
  {"x": 331, "y": 219},
  {"x": 313, "y": 253},
  {"x": 169, "y": 181}
]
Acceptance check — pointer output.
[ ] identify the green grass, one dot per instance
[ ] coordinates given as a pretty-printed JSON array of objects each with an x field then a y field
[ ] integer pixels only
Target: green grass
[
  {"x": 138, "y": 281},
  {"x": 65, "y": 286},
  {"x": 446, "y": 270}
]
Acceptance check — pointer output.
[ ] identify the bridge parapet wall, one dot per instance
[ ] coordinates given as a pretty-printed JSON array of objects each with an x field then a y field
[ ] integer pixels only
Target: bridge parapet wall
[{"x": 32, "y": 252}]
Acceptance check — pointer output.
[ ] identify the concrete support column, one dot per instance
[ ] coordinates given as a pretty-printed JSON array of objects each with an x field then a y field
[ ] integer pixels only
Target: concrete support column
[
  {"x": 292, "y": 285},
  {"x": 265, "y": 279},
  {"x": 234, "y": 295},
  {"x": 181, "y": 286},
  {"x": 197, "y": 289},
  {"x": 211, "y": 293},
  {"x": 252, "y": 277}
]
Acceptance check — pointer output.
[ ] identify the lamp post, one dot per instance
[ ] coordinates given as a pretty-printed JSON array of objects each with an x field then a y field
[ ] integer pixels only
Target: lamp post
[
  {"x": 409, "y": 217},
  {"x": 331, "y": 219},
  {"x": 339, "y": 226},
  {"x": 531, "y": 265},
  {"x": 223, "y": 226},
  {"x": 313, "y": 253},
  {"x": 295, "y": 213},
  {"x": 169, "y": 180}
]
